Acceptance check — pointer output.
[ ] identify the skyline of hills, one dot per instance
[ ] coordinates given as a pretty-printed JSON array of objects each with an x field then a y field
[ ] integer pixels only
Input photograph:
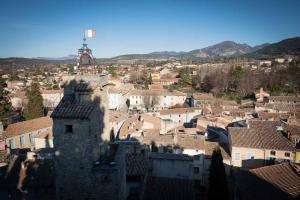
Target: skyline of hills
[{"x": 219, "y": 50}]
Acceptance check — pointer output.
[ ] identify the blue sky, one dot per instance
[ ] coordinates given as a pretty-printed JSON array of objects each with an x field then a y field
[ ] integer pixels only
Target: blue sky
[{"x": 54, "y": 28}]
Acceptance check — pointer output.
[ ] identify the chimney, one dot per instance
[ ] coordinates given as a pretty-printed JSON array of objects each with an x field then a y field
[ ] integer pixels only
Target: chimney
[{"x": 261, "y": 90}]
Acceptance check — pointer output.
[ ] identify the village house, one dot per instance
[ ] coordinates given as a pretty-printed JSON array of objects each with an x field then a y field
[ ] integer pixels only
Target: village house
[
  {"x": 167, "y": 146},
  {"x": 261, "y": 96},
  {"x": 15, "y": 84},
  {"x": 265, "y": 62},
  {"x": 51, "y": 98},
  {"x": 156, "y": 86},
  {"x": 155, "y": 77},
  {"x": 277, "y": 107},
  {"x": 177, "y": 116},
  {"x": 259, "y": 144},
  {"x": 117, "y": 98},
  {"x": 143, "y": 100},
  {"x": 181, "y": 165},
  {"x": 273, "y": 116},
  {"x": 135, "y": 126},
  {"x": 18, "y": 100},
  {"x": 292, "y": 100},
  {"x": 116, "y": 120},
  {"x": 279, "y": 60},
  {"x": 31, "y": 134},
  {"x": 168, "y": 81},
  {"x": 200, "y": 99}
]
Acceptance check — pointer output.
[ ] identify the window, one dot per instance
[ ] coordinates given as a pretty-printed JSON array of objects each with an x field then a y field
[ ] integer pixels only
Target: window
[
  {"x": 22, "y": 140},
  {"x": 287, "y": 154},
  {"x": 250, "y": 156},
  {"x": 196, "y": 157},
  {"x": 69, "y": 129},
  {"x": 237, "y": 156},
  {"x": 273, "y": 153},
  {"x": 30, "y": 138},
  {"x": 11, "y": 143},
  {"x": 196, "y": 170}
]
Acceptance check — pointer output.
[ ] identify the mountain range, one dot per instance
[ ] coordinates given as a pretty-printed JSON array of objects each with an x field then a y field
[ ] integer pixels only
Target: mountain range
[
  {"x": 289, "y": 46},
  {"x": 225, "y": 49}
]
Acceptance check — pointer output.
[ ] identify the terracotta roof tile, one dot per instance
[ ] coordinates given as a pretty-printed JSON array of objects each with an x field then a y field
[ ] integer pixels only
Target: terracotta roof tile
[
  {"x": 136, "y": 164},
  {"x": 68, "y": 108},
  {"x": 28, "y": 126},
  {"x": 178, "y": 111},
  {"x": 190, "y": 142},
  {"x": 261, "y": 135},
  {"x": 276, "y": 182}
]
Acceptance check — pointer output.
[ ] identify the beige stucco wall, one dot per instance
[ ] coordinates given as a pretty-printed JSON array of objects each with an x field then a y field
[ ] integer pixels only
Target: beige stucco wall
[
  {"x": 26, "y": 139},
  {"x": 260, "y": 156}
]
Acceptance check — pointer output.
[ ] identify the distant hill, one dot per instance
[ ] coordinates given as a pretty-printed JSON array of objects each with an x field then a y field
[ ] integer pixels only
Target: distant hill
[
  {"x": 289, "y": 46},
  {"x": 223, "y": 49}
]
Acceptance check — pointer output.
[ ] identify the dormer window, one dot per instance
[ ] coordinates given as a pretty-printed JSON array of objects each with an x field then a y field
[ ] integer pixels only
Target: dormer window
[{"x": 69, "y": 129}]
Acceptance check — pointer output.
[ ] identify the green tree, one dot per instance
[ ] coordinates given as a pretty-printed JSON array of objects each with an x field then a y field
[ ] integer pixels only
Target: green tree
[
  {"x": 112, "y": 71},
  {"x": 207, "y": 84},
  {"x": 34, "y": 108},
  {"x": 217, "y": 177},
  {"x": 5, "y": 104}
]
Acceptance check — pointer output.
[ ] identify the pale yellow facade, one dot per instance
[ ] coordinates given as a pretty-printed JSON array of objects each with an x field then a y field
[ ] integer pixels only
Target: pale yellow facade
[{"x": 252, "y": 158}]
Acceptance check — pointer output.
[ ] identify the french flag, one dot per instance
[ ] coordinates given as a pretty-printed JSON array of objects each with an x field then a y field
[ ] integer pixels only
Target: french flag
[{"x": 91, "y": 33}]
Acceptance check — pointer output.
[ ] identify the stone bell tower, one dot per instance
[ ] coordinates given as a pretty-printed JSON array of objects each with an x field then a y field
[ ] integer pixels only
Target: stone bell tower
[{"x": 86, "y": 165}]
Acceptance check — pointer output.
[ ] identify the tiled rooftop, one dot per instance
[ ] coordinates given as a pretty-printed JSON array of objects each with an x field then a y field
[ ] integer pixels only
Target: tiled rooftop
[
  {"x": 261, "y": 135},
  {"x": 28, "y": 126},
  {"x": 68, "y": 108},
  {"x": 136, "y": 164},
  {"x": 276, "y": 182}
]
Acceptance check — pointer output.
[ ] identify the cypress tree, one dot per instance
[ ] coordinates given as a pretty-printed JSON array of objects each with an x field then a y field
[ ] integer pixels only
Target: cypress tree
[
  {"x": 5, "y": 104},
  {"x": 34, "y": 108},
  {"x": 217, "y": 177}
]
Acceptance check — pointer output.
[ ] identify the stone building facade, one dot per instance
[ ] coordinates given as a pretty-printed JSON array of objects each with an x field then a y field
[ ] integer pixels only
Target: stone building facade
[{"x": 86, "y": 166}]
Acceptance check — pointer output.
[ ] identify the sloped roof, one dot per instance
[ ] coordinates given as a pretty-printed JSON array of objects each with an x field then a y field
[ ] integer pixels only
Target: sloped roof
[
  {"x": 115, "y": 116},
  {"x": 178, "y": 111},
  {"x": 136, "y": 164},
  {"x": 203, "y": 96},
  {"x": 209, "y": 148},
  {"x": 68, "y": 108},
  {"x": 170, "y": 156},
  {"x": 28, "y": 126},
  {"x": 285, "y": 98},
  {"x": 190, "y": 142},
  {"x": 157, "y": 93},
  {"x": 260, "y": 135},
  {"x": 276, "y": 182}
]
